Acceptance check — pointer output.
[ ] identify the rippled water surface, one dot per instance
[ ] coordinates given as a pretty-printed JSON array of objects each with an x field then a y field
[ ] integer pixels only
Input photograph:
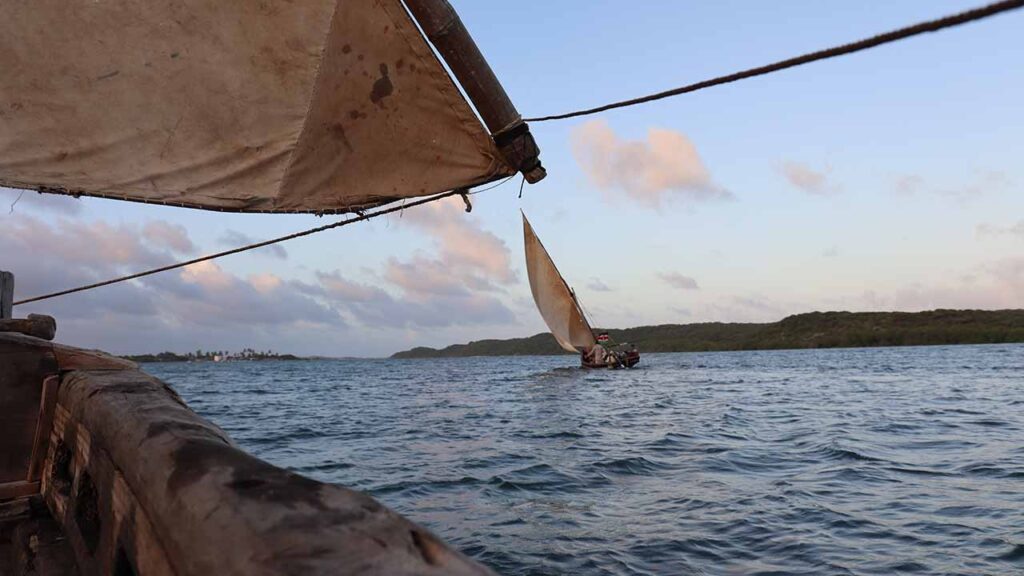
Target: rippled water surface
[{"x": 867, "y": 461}]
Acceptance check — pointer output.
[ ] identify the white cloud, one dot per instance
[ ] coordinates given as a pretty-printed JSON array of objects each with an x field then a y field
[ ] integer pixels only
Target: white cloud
[
  {"x": 808, "y": 179},
  {"x": 976, "y": 184},
  {"x": 265, "y": 283},
  {"x": 1017, "y": 230},
  {"x": 236, "y": 239},
  {"x": 459, "y": 280},
  {"x": 201, "y": 304},
  {"x": 757, "y": 303},
  {"x": 677, "y": 280},
  {"x": 908, "y": 184},
  {"x": 666, "y": 165},
  {"x": 597, "y": 285},
  {"x": 998, "y": 284},
  {"x": 476, "y": 256},
  {"x": 981, "y": 182},
  {"x": 462, "y": 284},
  {"x": 376, "y": 308},
  {"x": 172, "y": 236}
]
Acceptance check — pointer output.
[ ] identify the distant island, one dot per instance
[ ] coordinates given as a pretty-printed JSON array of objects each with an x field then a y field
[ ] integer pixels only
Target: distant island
[
  {"x": 811, "y": 330},
  {"x": 247, "y": 354}
]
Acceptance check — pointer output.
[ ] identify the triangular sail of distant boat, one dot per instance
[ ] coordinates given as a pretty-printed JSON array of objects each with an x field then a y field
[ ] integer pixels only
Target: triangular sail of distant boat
[{"x": 555, "y": 300}]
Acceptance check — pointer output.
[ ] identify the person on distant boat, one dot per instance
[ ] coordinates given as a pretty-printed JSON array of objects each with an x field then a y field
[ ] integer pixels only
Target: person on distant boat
[{"x": 598, "y": 353}]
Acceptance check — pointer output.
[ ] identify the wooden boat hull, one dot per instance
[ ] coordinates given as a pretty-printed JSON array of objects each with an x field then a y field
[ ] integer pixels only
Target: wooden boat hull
[
  {"x": 105, "y": 470},
  {"x": 625, "y": 360}
]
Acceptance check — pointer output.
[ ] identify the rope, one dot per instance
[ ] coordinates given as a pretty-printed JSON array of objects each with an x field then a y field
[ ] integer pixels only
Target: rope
[
  {"x": 359, "y": 218},
  {"x": 900, "y": 34}
]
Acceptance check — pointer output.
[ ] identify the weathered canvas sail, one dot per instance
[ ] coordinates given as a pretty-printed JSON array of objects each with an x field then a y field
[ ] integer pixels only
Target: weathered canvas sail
[
  {"x": 554, "y": 298},
  {"x": 312, "y": 106}
]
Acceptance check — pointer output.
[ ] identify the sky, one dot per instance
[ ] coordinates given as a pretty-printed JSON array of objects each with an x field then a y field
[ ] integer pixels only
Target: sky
[{"x": 887, "y": 180}]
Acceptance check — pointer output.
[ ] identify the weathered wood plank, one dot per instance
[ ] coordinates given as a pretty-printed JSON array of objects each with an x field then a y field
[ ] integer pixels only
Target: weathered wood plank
[
  {"x": 212, "y": 508},
  {"x": 37, "y": 325},
  {"x": 6, "y": 294},
  {"x": 41, "y": 444},
  {"x": 40, "y": 549},
  {"x": 21, "y": 489},
  {"x": 31, "y": 543},
  {"x": 12, "y": 514},
  {"x": 71, "y": 358},
  {"x": 24, "y": 363}
]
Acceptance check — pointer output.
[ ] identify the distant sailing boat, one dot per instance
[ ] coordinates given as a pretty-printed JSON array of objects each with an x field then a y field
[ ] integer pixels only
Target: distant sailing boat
[{"x": 562, "y": 312}]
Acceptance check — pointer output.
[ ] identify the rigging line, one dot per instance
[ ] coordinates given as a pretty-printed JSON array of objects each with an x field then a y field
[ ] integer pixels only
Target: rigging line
[
  {"x": 900, "y": 34},
  {"x": 491, "y": 187},
  {"x": 16, "y": 201},
  {"x": 588, "y": 316},
  {"x": 253, "y": 246}
]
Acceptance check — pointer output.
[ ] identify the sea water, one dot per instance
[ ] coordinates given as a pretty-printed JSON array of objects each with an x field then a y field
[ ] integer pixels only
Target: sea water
[{"x": 854, "y": 461}]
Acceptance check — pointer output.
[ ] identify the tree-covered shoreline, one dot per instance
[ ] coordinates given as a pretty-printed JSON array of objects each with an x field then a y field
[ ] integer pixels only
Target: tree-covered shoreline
[{"x": 810, "y": 330}]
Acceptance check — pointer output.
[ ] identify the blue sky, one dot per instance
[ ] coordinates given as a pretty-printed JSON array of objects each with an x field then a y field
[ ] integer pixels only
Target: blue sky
[{"x": 890, "y": 180}]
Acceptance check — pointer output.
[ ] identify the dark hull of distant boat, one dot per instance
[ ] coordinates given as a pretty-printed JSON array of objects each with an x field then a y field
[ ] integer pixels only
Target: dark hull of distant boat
[{"x": 625, "y": 360}]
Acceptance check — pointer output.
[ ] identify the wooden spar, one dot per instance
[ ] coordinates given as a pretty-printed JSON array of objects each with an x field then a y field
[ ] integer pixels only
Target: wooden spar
[
  {"x": 445, "y": 30},
  {"x": 6, "y": 294},
  {"x": 449, "y": 35}
]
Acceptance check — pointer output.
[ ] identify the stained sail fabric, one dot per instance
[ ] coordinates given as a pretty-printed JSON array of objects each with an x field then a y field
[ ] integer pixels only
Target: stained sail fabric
[
  {"x": 312, "y": 106},
  {"x": 554, "y": 298}
]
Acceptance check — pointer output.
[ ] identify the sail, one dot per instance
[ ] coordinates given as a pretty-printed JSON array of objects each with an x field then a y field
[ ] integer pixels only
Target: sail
[
  {"x": 313, "y": 106},
  {"x": 554, "y": 298}
]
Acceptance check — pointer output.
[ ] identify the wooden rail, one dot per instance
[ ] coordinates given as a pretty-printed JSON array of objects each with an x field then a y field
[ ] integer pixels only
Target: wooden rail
[{"x": 140, "y": 485}]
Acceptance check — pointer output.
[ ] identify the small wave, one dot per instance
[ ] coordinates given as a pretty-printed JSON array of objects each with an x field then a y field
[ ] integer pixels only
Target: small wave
[
  {"x": 636, "y": 465},
  {"x": 423, "y": 487},
  {"x": 706, "y": 549},
  {"x": 944, "y": 443},
  {"x": 711, "y": 449},
  {"x": 967, "y": 511},
  {"x": 1015, "y": 554},
  {"x": 837, "y": 453},
  {"x": 672, "y": 440},
  {"x": 907, "y": 567},
  {"x": 792, "y": 437},
  {"x": 542, "y": 478},
  {"x": 965, "y": 411},
  {"x": 263, "y": 440},
  {"x": 990, "y": 470},
  {"x": 842, "y": 477},
  {"x": 302, "y": 433},
  {"x": 551, "y": 434},
  {"x": 918, "y": 471},
  {"x": 325, "y": 467},
  {"x": 990, "y": 423},
  {"x": 668, "y": 556},
  {"x": 897, "y": 427}
]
